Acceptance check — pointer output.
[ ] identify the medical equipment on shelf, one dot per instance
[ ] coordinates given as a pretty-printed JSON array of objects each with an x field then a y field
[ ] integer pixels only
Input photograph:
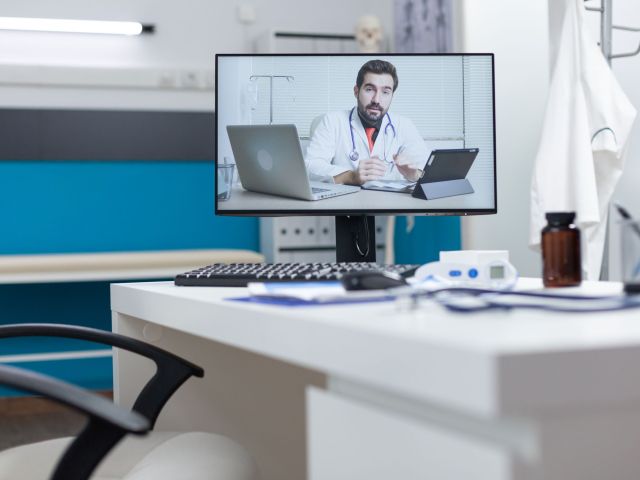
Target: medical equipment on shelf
[{"x": 354, "y": 155}]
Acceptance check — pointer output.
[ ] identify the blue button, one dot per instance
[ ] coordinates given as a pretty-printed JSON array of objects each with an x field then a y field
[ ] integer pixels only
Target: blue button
[
  {"x": 473, "y": 273},
  {"x": 455, "y": 273}
]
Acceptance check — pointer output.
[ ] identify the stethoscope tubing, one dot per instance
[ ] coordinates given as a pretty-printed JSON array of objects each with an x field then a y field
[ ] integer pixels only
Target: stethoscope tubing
[{"x": 353, "y": 155}]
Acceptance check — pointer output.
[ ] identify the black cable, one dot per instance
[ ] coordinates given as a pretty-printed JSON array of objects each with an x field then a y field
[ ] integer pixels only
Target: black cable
[
  {"x": 356, "y": 238},
  {"x": 589, "y": 303}
]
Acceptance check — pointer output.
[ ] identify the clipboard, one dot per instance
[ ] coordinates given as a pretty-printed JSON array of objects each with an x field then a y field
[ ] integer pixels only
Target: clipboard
[{"x": 444, "y": 174}]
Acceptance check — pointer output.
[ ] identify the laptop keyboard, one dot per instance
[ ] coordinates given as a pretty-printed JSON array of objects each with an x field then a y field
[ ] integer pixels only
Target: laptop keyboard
[{"x": 239, "y": 274}]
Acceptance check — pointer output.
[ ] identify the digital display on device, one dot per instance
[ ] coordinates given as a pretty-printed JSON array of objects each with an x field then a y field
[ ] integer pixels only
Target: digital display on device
[
  {"x": 496, "y": 272},
  {"x": 355, "y": 134}
]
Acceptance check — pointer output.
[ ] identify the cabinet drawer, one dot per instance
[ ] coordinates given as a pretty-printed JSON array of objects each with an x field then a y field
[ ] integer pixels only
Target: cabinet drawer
[{"x": 349, "y": 440}]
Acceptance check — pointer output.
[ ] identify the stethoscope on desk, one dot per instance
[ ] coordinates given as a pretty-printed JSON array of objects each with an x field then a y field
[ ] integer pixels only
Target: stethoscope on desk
[
  {"x": 473, "y": 300},
  {"x": 354, "y": 156}
]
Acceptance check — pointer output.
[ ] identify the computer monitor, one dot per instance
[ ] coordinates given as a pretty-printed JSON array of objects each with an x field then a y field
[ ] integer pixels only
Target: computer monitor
[{"x": 355, "y": 136}]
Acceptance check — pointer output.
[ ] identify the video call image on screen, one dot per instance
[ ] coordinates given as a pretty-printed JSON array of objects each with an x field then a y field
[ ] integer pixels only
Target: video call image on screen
[{"x": 355, "y": 133}]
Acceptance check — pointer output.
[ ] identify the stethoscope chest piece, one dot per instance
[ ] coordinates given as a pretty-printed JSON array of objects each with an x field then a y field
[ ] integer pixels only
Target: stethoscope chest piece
[{"x": 353, "y": 156}]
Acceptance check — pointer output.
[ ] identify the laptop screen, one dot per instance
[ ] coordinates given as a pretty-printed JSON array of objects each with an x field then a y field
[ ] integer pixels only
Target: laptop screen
[{"x": 360, "y": 127}]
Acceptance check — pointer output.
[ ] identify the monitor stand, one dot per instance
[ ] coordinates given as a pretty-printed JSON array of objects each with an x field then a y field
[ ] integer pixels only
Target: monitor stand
[{"x": 355, "y": 238}]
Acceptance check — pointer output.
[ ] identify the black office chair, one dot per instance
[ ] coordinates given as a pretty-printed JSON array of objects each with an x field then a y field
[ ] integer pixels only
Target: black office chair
[
  {"x": 106, "y": 426},
  {"x": 199, "y": 455}
]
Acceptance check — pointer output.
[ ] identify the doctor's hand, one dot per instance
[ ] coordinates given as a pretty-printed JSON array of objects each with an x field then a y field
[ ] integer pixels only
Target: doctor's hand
[
  {"x": 406, "y": 168},
  {"x": 370, "y": 169}
]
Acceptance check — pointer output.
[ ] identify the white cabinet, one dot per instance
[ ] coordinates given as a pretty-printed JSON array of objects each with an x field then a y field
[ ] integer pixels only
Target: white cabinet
[
  {"x": 307, "y": 239},
  {"x": 349, "y": 440}
]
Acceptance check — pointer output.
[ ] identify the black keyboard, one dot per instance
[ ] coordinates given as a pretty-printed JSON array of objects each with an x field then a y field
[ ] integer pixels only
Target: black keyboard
[{"x": 239, "y": 274}]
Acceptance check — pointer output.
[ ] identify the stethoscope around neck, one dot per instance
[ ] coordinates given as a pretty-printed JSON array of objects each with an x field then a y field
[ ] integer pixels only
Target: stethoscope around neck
[{"x": 354, "y": 156}]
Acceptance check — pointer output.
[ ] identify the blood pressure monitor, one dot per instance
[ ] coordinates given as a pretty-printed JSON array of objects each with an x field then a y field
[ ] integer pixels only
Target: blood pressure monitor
[{"x": 470, "y": 270}]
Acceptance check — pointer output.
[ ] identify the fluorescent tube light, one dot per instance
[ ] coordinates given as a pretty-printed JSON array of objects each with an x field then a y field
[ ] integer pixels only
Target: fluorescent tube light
[{"x": 73, "y": 26}]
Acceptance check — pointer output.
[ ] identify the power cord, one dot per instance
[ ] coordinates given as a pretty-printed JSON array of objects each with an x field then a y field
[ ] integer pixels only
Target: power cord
[{"x": 367, "y": 237}]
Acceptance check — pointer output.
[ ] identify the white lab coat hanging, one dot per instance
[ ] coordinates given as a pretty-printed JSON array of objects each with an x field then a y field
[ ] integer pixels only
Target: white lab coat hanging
[{"x": 581, "y": 153}]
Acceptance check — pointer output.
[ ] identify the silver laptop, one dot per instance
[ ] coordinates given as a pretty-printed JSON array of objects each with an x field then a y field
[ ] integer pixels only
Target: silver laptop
[{"x": 269, "y": 160}]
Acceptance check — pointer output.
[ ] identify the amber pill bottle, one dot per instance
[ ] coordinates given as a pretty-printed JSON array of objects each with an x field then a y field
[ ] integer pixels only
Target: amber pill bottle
[{"x": 561, "y": 251}]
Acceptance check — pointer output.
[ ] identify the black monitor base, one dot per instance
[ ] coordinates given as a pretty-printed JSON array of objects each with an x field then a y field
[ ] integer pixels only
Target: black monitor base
[{"x": 356, "y": 238}]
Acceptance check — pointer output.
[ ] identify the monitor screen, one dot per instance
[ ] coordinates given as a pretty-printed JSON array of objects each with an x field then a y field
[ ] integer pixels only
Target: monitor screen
[{"x": 355, "y": 134}]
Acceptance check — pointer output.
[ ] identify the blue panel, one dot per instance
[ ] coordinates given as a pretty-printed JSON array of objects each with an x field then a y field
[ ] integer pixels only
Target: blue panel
[
  {"x": 114, "y": 206},
  {"x": 117, "y": 206},
  {"x": 85, "y": 304},
  {"x": 90, "y": 373},
  {"x": 429, "y": 236}
]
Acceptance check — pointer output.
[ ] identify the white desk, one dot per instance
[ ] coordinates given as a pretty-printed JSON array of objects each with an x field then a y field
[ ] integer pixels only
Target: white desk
[{"x": 389, "y": 395}]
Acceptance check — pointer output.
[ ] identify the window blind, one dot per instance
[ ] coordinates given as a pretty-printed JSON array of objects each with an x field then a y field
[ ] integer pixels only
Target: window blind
[
  {"x": 478, "y": 113},
  {"x": 430, "y": 91}
]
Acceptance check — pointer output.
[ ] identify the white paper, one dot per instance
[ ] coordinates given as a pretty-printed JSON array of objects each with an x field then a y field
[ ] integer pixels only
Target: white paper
[
  {"x": 326, "y": 291},
  {"x": 395, "y": 185}
]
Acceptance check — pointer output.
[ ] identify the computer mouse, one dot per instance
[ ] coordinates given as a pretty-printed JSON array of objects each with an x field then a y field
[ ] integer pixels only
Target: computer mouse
[{"x": 371, "y": 280}]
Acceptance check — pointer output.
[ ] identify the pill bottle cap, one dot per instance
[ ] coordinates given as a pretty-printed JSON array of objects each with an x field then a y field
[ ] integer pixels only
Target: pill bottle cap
[{"x": 560, "y": 218}]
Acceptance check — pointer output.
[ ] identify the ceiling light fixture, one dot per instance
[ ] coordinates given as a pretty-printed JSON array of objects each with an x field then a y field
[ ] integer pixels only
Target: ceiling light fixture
[{"x": 74, "y": 26}]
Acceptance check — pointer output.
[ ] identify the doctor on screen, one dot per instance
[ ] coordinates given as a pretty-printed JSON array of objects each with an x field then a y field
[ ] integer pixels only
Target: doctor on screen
[{"x": 366, "y": 142}]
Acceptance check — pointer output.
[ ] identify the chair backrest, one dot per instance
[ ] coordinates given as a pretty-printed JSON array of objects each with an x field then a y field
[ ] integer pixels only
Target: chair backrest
[
  {"x": 101, "y": 435},
  {"x": 172, "y": 371},
  {"x": 107, "y": 424},
  {"x": 314, "y": 124}
]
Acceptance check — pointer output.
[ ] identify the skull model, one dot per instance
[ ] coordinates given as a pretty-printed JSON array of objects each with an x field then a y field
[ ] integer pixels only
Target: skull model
[{"x": 369, "y": 34}]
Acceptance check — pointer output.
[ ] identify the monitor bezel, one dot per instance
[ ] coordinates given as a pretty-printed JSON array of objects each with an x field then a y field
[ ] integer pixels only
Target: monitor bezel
[{"x": 340, "y": 212}]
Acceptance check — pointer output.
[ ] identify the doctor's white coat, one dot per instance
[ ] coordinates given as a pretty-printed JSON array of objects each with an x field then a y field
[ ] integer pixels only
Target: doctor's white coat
[
  {"x": 330, "y": 146},
  {"x": 586, "y": 127}
]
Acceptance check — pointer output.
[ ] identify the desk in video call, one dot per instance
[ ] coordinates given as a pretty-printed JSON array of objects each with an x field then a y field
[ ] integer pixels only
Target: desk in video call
[{"x": 363, "y": 200}]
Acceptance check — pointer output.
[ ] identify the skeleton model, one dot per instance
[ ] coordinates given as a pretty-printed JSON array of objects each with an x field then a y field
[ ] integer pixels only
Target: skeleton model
[{"x": 423, "y": 25}]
